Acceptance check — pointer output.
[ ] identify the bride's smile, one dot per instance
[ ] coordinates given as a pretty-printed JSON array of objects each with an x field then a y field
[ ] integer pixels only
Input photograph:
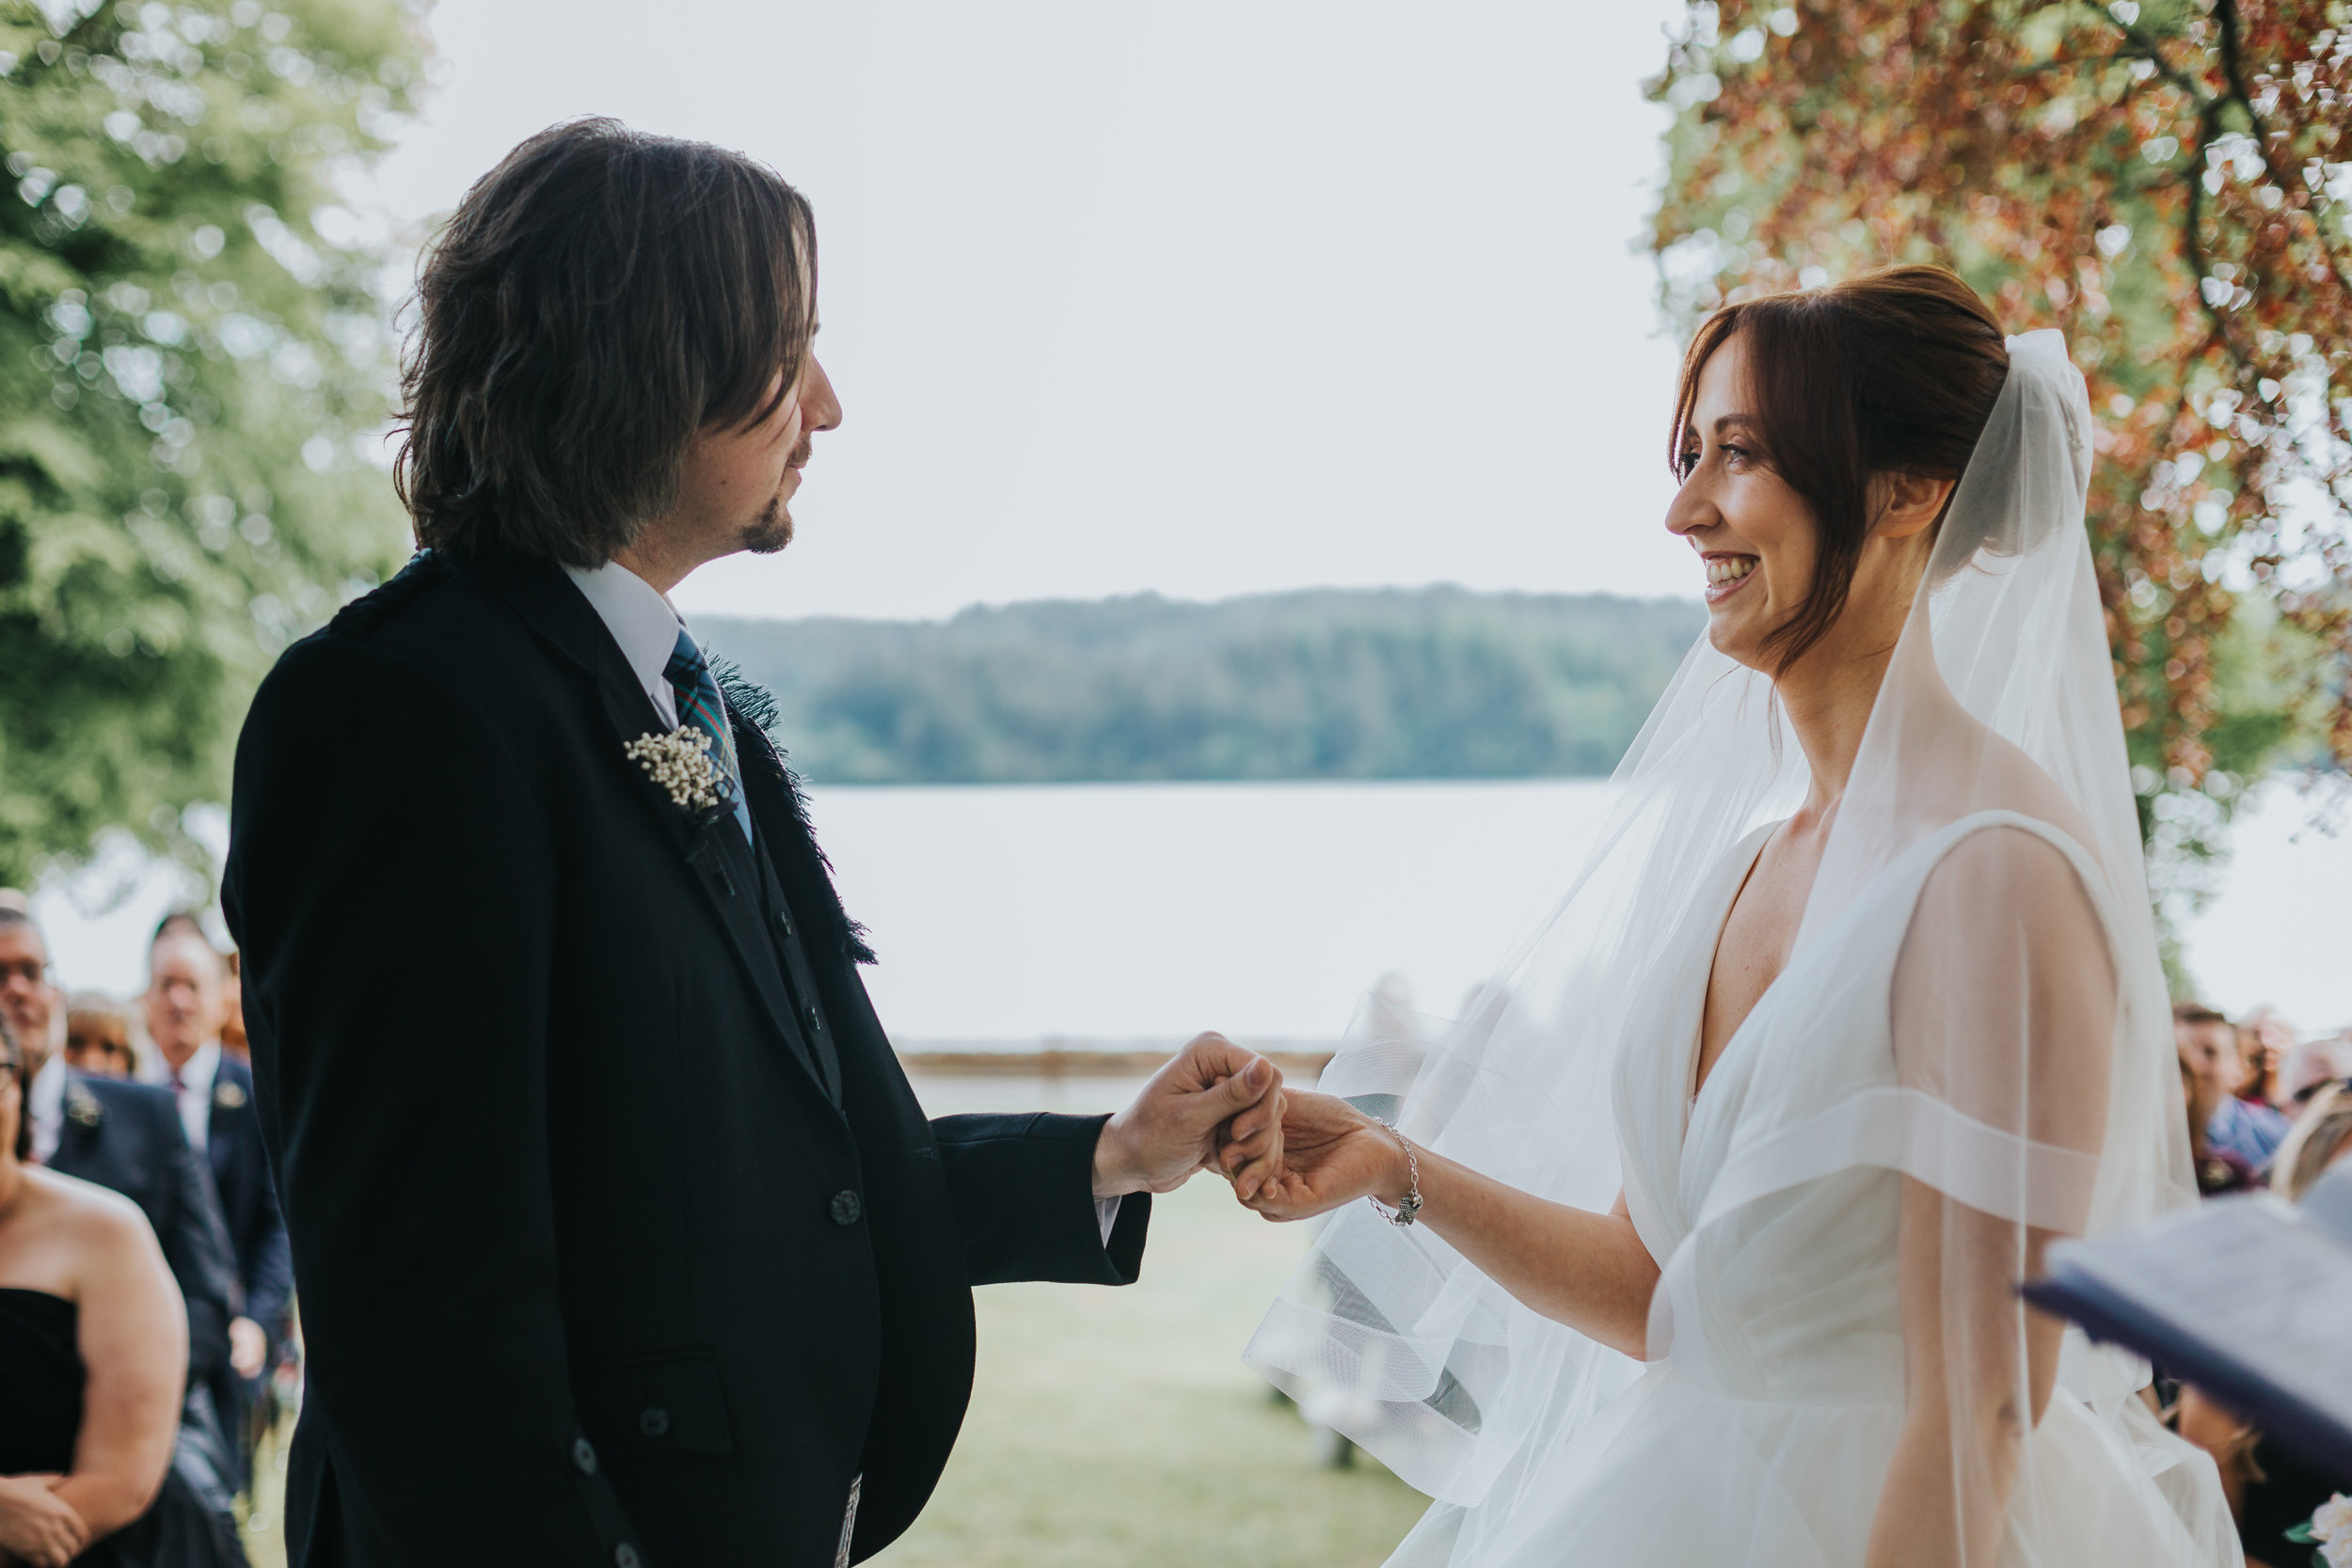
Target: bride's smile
[
  {"x": 1725, "y": 572},
  {"x": 1754, "y": 534}
]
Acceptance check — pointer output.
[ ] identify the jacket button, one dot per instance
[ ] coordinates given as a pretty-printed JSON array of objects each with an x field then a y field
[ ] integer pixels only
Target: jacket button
[
  {"x": 654, "y": 1423},
  {"x": 624, "y": 1556},
  {"x": 847, "y": 1207},
  {"x": 784, "y": 924},
  {"x": 583, "y": 1456}
]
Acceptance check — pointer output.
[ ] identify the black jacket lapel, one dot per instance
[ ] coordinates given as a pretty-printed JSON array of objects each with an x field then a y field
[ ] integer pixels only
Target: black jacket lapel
[{"x": 539, "y": 592}]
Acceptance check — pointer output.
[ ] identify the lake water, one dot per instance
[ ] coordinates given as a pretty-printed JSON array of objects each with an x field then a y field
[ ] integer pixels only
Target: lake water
[{"x": 1146, "y": 911}]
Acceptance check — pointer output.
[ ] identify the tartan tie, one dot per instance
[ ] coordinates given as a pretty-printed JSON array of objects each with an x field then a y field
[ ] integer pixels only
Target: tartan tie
[{"x": 699, "y": 705}]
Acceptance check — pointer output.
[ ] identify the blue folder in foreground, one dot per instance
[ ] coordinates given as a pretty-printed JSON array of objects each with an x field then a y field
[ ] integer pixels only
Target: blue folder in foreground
[{"x": 2248, "y": 1298}]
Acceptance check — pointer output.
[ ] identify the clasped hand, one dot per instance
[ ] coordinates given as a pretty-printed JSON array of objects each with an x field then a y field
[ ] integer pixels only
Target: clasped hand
[
  {"x": 1327, "y": 1153},
  {"x": 37, "y": 1526},
  {"x": 1289, "y": 1153},
  {"x": 1214, "y": 1106}
]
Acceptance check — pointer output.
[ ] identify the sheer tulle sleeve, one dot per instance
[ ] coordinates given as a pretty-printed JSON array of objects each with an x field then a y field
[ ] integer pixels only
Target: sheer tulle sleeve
[{"x": 2004, "y": 1015}]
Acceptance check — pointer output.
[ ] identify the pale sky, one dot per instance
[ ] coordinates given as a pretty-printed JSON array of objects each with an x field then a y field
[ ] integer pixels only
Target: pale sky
[
  {"x": 1204, "y": 299},
  {"x": 1207, "y": 299}
]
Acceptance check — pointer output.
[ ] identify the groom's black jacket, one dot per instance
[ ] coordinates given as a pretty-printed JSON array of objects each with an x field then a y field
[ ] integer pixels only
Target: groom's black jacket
[{"x": 619, "y": 1236}]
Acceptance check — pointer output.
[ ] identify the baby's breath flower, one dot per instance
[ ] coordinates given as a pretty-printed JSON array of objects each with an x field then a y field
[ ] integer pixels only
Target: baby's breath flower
[{"x": 680, "y": 763}]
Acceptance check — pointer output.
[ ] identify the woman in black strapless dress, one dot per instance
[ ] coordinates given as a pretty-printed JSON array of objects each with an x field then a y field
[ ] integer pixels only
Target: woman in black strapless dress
[
  {"x": 41, "y": 1379},
  {"x": 93, "y": 1469}
]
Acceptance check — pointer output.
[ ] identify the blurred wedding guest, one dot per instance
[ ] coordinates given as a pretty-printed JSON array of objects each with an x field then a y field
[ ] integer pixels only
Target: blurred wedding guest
[
  {"x": 2208, "y": 1043},
  {"x": 214, "y": 1093},
  {"x": 94, "y": 1469},
  {"x": 2322, "y": 1136},
  {"x": 126, "y": 1137},
  {"x": 2271, "y": 1490},
  {"x": 232, "y": 1040},
  {"x": 2219, "y": 1170},
  {"x": 98, "y": 1037},
  {"x": 2263, "y": 1040},
  {"x": 2313, "y": 1065}
]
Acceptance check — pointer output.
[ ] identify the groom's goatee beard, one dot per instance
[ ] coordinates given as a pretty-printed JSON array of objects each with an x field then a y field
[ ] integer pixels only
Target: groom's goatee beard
[
  {"x": 770, "y": 530},
  {"x": 773, "y": 529}
]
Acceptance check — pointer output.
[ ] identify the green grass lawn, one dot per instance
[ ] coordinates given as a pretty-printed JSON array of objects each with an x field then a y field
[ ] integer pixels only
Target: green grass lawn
[{"x": 1120, "y": 1427}]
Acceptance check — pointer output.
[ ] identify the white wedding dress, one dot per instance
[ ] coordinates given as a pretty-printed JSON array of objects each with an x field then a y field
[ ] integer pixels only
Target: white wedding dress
[
  {"x": 1969, "y": 1049},
  {"x": 1764, "y": 1435}
]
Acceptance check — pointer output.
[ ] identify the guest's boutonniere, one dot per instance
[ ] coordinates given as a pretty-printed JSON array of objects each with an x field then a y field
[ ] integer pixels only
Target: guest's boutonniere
[
  {"x": 81, "y": 1107},
  {"x": 2330, "y": 1530},
  {"x": 228, "y": 1096},
  {"x": 680, "y": 761}
]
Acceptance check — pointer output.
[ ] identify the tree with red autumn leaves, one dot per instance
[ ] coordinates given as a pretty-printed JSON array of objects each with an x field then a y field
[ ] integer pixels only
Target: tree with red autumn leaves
[{"x": 2170, "y": 183}]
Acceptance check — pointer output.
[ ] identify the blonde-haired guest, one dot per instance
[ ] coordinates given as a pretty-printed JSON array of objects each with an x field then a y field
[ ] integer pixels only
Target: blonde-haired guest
[
  {"x": 2322, "y": 1136},
  {"x": 98, "y": 1037}
]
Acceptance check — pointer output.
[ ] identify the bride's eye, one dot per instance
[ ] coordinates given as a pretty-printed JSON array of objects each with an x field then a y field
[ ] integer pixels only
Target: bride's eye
[
  {"x": 1739, "y": 455},
  {"x": 1687, "y": 463}
]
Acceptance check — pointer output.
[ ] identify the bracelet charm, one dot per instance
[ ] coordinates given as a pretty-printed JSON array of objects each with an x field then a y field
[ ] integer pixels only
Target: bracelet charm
[{"x": 1408, "y": 1211}]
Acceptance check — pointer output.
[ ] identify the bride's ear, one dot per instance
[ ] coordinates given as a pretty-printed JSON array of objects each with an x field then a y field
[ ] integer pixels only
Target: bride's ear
[{"x": 1907, "y": 503}]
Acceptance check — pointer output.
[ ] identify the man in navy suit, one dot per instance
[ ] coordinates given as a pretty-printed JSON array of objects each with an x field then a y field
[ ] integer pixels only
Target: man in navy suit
[
  {"x": 187, "y": 999},
  {"x": 124, "y": 1136}
]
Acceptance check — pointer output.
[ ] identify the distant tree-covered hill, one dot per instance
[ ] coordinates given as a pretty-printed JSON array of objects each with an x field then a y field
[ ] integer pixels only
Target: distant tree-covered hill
[{"x": 1328, "y": 684}]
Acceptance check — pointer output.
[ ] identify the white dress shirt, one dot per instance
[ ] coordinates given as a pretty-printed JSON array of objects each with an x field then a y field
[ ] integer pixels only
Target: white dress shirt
[
  {"x": 46, "y": 1106},
  {"x": 641, "y": 620},
  {"x": 195, "y": 1094},
  {"x": 645, "y": 626}
]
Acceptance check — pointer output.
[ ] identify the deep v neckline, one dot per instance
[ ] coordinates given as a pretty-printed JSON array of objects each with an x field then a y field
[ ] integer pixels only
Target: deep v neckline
[{"x": 1696, "y": 1087}]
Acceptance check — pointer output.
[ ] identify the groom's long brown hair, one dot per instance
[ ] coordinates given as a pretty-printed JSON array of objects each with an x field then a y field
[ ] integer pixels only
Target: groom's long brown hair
[{"x": 597, "y": 298}]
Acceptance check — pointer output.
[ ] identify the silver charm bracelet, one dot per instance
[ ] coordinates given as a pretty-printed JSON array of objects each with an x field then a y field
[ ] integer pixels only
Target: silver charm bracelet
[{"x": 1407, "y": 1211}]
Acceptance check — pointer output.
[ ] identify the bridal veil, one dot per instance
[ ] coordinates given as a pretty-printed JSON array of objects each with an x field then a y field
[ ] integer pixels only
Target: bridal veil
[{"x": 2033, "y": 1091}]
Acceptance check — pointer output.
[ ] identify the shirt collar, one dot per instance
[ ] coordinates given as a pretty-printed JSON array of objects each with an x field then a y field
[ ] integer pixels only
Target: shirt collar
[
  {"x": 197, "y": 1075},
  {"x": 637, "y": 614},
  {"x": 45, "y": 1105},
  {"x": 48, "y": 1088}
]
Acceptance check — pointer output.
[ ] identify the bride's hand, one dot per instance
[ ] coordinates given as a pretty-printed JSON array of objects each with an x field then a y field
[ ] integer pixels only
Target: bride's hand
[{"x": 1332, "y": 1153}]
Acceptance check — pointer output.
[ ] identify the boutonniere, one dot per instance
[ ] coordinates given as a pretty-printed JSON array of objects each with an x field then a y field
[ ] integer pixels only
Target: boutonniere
[
  {"x": 81, "y": 1107},
  {"x": 680, "y": 761},
  {"x": 228, "y": 1096},
  {"x": 2330, "y": 1530}
]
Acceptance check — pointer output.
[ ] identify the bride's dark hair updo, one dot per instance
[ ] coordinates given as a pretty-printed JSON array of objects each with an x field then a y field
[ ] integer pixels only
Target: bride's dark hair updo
[{"x": 1894, "y": 371}]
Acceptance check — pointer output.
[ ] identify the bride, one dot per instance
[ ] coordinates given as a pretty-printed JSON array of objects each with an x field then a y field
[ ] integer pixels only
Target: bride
[{"x": 1697, "y": 1243}]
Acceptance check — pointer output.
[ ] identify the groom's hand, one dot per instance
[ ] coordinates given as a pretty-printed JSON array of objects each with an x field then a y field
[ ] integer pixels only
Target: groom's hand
[{"x": 1213, "y": 1106}]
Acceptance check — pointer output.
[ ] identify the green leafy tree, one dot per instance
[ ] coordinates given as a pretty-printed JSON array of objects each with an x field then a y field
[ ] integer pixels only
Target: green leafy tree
[{"x": 193, "y": 373}]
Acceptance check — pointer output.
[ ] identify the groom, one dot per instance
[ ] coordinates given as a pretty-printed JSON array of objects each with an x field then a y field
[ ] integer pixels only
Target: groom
[{"x": 619, "y": 1236}]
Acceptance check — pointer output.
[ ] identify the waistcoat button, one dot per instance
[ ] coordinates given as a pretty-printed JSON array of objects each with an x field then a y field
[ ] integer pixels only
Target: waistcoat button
[
  {"x": 654, "y": 1423},
  {"x": 847, "y": 1207},
  {"x": 583, "y": 1456}
]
